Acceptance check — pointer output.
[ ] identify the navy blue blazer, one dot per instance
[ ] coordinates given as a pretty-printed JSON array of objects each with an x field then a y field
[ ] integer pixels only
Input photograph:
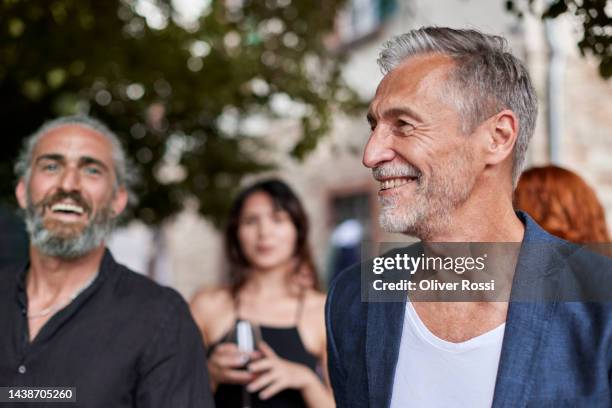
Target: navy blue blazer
[{"x": 555, "y": 353}]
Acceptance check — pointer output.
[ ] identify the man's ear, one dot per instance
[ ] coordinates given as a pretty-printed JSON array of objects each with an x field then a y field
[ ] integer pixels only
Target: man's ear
[
  {"x": 503, "y": 131},
  {"x": 119, "y": 201},
  {"x": 21, "y": 193}
]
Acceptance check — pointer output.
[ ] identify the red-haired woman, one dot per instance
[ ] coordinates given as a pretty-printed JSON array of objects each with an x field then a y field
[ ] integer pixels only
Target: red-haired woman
[{"x": 562, "y": 203}]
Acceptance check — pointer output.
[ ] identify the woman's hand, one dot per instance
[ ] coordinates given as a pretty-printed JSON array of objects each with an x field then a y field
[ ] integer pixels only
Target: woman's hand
[
  {"x": 227, "y": 365},
  {"x": 274, "y": 374}
]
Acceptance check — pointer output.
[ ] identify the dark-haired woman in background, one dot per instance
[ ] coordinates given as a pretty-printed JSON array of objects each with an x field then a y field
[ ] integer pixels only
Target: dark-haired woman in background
[{"x": 273, "y": 285}]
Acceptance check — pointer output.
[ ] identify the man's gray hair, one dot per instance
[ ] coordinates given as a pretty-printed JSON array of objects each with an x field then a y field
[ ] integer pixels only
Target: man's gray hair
[
  {"x": 487, "y": 78},
  {"x": 126, "y": 175}
]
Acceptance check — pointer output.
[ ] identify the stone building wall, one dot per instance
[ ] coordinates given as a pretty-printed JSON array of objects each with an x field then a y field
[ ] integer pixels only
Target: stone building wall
[{"x": 334, "y": 169}]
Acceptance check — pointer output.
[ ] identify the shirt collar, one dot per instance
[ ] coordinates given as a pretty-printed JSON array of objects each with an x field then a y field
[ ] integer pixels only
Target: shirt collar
[{"x": 106, "y": 264}]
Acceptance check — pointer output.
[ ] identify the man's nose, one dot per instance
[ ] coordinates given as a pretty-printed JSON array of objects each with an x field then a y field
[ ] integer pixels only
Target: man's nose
[
  {"x": 378, "y": 150},
  {"x": 71, "y": 180}
]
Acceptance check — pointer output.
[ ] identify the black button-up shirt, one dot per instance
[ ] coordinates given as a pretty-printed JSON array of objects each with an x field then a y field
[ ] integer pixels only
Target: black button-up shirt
[{"x": 124, "y": 341}]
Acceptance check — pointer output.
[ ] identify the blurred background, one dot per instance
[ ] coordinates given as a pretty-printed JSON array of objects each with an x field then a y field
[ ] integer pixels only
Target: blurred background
[{"x": 210, "y": 94}]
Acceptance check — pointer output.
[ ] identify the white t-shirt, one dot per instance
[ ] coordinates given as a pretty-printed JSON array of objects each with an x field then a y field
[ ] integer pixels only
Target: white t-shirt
[{"x": 432, "y": 372}]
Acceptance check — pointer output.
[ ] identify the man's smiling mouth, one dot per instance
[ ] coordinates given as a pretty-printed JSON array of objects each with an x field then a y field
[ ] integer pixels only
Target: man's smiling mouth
[
  {"x": 67, "y": 208},
  {"x": 395, "y": 182}
]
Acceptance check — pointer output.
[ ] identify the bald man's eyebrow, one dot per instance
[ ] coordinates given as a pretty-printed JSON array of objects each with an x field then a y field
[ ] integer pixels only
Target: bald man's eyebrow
[
  {"x": 83, "y": 160},
  {"x": 51, "y": 156},
  {"x": 87, "y": 160}
]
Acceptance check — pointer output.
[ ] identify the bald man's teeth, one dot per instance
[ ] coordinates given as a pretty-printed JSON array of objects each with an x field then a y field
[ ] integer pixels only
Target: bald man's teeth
[
  {"x": 67, "y": 208},
  {"x": 393, "y": 183}
]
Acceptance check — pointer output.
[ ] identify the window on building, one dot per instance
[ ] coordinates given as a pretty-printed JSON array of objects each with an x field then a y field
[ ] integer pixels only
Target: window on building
[{"x": 360, "y": 18}]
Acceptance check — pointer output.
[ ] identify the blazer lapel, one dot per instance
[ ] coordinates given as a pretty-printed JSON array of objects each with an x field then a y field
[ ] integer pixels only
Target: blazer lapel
[
  {"x": 526, "y": 326},
  {"x": 384, "y": 332},
  {"x": 531, "y": 308}
]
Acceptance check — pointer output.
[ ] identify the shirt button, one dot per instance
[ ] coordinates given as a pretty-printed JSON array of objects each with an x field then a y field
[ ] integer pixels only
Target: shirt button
[{"x": 21, "y": 369}]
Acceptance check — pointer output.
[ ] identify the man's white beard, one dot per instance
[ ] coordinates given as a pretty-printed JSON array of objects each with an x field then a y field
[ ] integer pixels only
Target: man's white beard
[
  {"x": 399, "y": 219},
  {"x": 430, "y": 207},
  {"x": 68, "y": 247}
]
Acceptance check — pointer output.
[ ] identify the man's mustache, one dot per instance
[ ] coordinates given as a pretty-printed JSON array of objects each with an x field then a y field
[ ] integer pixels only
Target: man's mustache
[{"x": 395, "y": 170}]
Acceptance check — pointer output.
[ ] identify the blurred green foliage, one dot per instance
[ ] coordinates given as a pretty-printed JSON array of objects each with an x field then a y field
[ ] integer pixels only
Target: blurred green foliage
[
  {"x": 596, "y": 24},
  {"x": 167, "y": 86}
]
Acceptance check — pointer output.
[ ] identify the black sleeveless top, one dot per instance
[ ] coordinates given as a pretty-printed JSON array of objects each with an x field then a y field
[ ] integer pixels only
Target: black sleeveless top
[{"x": 287, "y": 344}]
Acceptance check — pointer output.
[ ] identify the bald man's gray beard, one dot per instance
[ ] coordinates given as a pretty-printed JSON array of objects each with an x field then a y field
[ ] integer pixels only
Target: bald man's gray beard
[
  {"x": 395, "y": 217},
  {"x": 431, "y": 204},
  {"x": 65, "y": 246}
]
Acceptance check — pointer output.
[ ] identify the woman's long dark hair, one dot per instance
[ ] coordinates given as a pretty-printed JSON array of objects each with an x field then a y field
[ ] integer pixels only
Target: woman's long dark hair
[{"x": 284, "y": 199}]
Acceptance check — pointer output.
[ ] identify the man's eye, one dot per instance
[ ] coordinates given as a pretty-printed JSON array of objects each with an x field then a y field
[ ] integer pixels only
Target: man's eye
[
  {"x": 92, "y": 170},
  {"x": 50, "y": 167},
  {"x": 404, "y": 126}
]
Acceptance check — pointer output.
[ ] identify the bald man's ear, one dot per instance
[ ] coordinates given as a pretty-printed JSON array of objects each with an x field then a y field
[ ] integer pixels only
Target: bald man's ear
[
  {"x": 503, "y": 132},
  {"x": 21, "y": 193},
  {"x": 119, "y": 201}
]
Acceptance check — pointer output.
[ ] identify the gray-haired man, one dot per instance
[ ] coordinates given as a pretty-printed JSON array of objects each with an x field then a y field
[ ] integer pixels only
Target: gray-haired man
[
  {"x": 451, "y": 121},
  {"x": 72, "y": 316}
]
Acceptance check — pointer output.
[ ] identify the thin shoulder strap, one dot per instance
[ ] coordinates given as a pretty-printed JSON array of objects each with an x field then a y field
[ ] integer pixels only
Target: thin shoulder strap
[
  {"x": 300, "y": 306},
  {"x": 237, "y": 307}
]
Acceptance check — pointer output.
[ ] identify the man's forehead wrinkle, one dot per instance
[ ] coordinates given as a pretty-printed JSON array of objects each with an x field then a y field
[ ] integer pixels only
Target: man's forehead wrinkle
[
  {"x": 427, "y": 61},
  {"x": 385, "y": 97},
  {"x": 418, "y": 82},
  {"x": 391, "y": 103},
  {"x": 76, "y": 132},
  {"x": 426, "y": 74},
  {"x": 431, "y": 65},
  {"x": 75, "y": 142}
]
